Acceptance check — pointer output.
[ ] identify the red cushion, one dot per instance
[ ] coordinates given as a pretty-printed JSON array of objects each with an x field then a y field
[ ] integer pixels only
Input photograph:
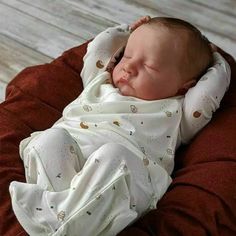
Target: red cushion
[{"x": 201, "y": 199}]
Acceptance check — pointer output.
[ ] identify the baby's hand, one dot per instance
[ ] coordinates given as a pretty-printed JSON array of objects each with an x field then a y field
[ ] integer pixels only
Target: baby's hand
[{"x": 139, "y": 22}]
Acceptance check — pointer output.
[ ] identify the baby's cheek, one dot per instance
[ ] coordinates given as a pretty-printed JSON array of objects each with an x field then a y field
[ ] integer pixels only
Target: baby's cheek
[
  {"x": 115, "y": 74},
  {"x": 148, "y": 91}
]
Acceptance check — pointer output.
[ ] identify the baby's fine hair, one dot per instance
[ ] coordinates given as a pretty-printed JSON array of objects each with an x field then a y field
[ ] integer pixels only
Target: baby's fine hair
[{"x": 198, "y": 50}]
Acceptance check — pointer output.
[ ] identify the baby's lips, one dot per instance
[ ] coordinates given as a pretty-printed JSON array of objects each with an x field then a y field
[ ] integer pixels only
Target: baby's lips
[{"x": 123, "y": 80}]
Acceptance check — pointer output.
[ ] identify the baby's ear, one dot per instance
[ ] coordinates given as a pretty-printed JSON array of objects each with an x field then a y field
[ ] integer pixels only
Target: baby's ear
[{"x": 186, "y": 86}]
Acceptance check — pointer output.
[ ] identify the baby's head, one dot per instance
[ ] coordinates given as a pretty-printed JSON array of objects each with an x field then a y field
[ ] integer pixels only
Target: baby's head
[{"x": 162, "y": 58}]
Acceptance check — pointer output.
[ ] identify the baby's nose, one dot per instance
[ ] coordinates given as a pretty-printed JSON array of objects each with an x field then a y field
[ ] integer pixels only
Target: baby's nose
[{"x": 130, "y": 68}]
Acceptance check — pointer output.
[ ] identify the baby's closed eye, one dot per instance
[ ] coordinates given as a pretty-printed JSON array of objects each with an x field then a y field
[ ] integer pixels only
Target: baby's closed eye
[{"x": 151, "y": 67}]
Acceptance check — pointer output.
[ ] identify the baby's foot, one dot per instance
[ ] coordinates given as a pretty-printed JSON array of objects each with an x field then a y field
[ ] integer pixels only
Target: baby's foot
[{"x": 31, "y": 209}]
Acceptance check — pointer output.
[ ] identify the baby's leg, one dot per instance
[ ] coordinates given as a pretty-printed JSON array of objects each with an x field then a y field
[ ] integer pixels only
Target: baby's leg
[
  {"x": 52, "y": 159},
  {"x": 111, "y": 191}
]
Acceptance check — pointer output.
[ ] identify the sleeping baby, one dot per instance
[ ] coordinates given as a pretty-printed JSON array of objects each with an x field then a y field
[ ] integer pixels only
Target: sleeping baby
[{"x": 148, "y": 88}]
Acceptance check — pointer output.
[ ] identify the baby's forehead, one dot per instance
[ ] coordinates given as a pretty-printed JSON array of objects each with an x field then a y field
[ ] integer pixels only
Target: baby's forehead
[
  {"x": 178, "y": 37},
  {"x": 163, "y": 40},
  {"x": 179, "y": 31}
]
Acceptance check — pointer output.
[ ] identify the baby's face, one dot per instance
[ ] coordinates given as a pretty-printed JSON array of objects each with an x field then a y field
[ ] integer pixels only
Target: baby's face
[{"x": 149, "y": 67}]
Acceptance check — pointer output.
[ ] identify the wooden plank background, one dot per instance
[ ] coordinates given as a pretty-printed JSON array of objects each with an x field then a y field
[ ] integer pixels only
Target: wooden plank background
[{"x": 36, "y": 31}]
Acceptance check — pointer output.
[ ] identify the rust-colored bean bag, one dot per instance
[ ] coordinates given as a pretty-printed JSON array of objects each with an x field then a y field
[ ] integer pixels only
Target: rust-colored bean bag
[{"x": 200, "y": 201}]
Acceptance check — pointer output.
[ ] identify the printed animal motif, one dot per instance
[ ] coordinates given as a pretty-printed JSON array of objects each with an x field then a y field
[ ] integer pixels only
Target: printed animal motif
[
  {"x": 83, "y": 125},
  {"x": 168, "y": 113},
  {"x": 99, "y": 64},
  {"x": 197, "y": 114},
  {"x": 87, "y": 108},
  {"x": 61, "y": 215},
  {"x": 133, "y": 108},
  {"x": 72, "y": 150},
  {"x": 145, "y": 161},
  {"x": 116, "y": 123}
]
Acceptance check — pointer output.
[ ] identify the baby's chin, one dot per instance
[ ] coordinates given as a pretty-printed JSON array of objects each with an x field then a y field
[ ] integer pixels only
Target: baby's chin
[{"x": 126, "y": 90}]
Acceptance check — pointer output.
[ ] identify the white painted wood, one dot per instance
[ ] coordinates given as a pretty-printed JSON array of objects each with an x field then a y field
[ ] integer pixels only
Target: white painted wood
[
  {"x": 227, "y": 7},
  {"x": 61, "y": 15},
  {"x": 126, "y": 10},
  {"x": 34, "y": 33},
  {"x": 2, "y": 91},
  {"x": 14, "y": 57},
  {"x": 121, "y": 11}
]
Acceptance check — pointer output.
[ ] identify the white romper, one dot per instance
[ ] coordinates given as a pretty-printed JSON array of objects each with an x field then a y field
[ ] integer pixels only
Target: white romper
[{"x": 108, "y": 160}]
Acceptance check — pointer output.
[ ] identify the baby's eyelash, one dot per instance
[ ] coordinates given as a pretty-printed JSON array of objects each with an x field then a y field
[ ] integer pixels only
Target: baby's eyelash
[
  {"x": 125, "y": 56},
  {"x": 150, "y": 67}
]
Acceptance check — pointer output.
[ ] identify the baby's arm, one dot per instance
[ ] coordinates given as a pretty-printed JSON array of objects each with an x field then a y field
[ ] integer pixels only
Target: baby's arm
[
  {"x": 204, "y": 98},
  {"x": 101, "y": 49}
]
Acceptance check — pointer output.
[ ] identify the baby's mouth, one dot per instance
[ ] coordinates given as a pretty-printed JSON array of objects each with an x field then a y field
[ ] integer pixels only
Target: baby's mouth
[{"x": 123, "y": 80}]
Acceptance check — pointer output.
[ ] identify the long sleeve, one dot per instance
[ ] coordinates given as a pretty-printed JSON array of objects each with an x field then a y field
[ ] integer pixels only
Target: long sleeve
[
  {"x": 204, "y": 99},
  {"x": 101, "y": 49}
]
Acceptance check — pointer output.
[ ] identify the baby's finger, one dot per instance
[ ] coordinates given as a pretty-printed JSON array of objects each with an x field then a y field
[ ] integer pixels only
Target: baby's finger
[
  {"x": 146, "y": 18},
  {"x": 139, "y": 22}
]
